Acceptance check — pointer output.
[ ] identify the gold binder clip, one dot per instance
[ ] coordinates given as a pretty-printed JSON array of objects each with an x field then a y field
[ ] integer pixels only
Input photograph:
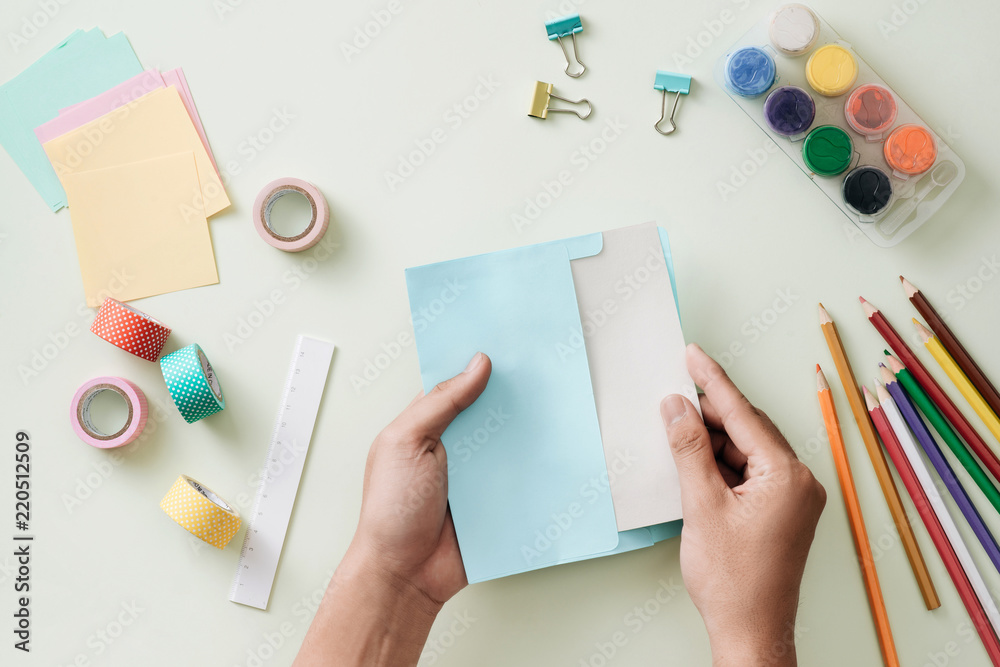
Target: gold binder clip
[{"x": 540, "y": 103}]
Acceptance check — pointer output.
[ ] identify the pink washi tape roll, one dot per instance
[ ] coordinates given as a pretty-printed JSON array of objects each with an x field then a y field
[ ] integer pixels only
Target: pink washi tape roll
[
  {"x": 79, "y": 412},
  {"x": 274, "y": 191}
]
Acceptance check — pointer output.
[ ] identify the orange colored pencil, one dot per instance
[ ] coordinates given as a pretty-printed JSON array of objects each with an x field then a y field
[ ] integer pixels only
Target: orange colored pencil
[
  {"x": 877, "y": 456},
  {"x": 857, "y": 521}
]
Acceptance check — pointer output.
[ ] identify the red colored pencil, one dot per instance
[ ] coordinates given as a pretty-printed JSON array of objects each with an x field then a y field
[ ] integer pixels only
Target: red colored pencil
[
  {"x": 934, "y": 529},
  {"x": 958, "y": 420}
]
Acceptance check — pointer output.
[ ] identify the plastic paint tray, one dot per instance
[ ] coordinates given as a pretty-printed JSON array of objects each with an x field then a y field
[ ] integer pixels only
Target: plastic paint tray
[{"x": 914, "y": 198}]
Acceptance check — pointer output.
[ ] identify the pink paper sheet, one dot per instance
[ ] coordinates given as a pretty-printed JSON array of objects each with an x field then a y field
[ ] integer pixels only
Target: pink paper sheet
[
  {"x": 176, "y": 78},
  {"x": 79, "y": 114},
  {"x": 82, "y": 113}
]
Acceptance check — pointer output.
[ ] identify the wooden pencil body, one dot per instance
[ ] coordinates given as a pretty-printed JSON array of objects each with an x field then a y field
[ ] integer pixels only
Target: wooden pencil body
[
  {"x": 881, "y": 467},
  {"x": 951, "y": 412},
  {"x": 858, "y": 532},
  {"x": 964, "y": 385},
  {"x": 958, "y": 352}
]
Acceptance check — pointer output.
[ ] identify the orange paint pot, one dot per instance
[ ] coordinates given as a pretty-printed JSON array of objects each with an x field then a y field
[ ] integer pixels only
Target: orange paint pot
[{"x": 910, "y": 150}]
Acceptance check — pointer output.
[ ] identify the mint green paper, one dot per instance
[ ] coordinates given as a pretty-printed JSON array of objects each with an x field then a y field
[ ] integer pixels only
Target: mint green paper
[
  {"x": 526, "y": 459},
  {"x": 82, "y": 67},
  {"x": 9, "y": 121}
]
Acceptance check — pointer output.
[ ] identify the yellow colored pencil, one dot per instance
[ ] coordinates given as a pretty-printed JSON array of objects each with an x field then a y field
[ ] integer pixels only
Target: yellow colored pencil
[{"x": 960, "y": 380}]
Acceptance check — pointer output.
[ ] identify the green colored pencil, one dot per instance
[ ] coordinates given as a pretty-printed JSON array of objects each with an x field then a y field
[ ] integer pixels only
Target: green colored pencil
[{"x": 944, "y": 429}]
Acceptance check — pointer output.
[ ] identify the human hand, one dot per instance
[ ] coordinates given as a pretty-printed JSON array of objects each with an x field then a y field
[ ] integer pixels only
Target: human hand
[
  {"x": 406, "y": 531},
  {"x": 404, "y": 562},
  {"x": 750, "y": 514}
]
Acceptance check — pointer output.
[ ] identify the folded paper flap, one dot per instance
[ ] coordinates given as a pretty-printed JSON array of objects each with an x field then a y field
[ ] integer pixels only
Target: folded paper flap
[
  {"x": 523, "y": 458},
  {"x": 576, "y": 247}
]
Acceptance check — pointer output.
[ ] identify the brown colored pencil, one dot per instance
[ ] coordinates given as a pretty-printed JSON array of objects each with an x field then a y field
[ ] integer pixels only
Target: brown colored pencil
[
  {"x": 877, "y": 456},
  {"x": 954, "y": 347}
]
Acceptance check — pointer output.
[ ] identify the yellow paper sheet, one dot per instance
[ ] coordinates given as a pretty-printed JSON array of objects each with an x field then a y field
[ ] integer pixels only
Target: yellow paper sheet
[
  {"x": 154, "y": 125},
  {"x": 136, "y": 231}
]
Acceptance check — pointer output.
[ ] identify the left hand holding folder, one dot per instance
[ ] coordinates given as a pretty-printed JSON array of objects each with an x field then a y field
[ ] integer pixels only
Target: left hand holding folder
[{"x": 404, "y": 562}]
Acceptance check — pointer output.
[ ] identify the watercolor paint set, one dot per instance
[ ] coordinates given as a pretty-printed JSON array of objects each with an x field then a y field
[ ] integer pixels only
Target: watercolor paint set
[{"x": 841, "y": 123}]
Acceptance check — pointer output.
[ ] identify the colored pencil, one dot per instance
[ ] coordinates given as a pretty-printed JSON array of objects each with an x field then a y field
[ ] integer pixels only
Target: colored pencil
[
  {"x": 944, "y": 471},
  {"x": 889, "y": 490},
  {"x": 940, "y": 424},
  {"x": 962, "y": 425},
  {"x": 857, "y": 521},
  {"x": 940, "y": 526},
  {"x": 960, "y": 380},
  {"x": 954, "y": 347}
]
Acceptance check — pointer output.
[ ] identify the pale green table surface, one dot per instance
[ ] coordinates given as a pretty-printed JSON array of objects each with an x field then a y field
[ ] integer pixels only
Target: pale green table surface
[{"x": 114, "y": 582}]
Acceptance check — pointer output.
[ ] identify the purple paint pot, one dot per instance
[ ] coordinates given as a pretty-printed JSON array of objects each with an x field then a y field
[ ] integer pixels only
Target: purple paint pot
[{"x": 789, "y": 111}]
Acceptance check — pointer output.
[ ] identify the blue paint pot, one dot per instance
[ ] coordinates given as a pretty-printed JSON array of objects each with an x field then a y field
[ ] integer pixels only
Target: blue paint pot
[{"x": 749, "y": 71}]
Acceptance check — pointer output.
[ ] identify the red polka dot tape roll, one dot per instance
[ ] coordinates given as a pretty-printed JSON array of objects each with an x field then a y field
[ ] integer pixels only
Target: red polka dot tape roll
[
  {"x": 79, "y": 412},
  {"x": 200, "y": 511},
  {"x": 130, "y": 329}
]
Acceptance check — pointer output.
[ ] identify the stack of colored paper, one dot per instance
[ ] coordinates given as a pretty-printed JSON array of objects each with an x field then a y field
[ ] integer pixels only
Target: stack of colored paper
[{"x": 125, "y": 150}]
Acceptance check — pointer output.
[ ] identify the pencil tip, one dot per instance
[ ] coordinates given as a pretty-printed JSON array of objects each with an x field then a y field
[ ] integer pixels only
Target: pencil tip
[
  {"x": 870, "y": 401},
  {"x": 923, "y": 332},
  {"x": 895, "y": 364},
  {"x": 887, "y": 375},
  {"x": 902, "y": 279},
  {"x": 821, "y": 383},
  {"x": 862, "y": 299},
  {"x": 883, "y": 394}
]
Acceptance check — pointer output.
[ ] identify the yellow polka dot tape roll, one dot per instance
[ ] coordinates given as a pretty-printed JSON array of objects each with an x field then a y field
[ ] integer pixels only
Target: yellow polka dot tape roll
[{"x": 201, "y": 512}]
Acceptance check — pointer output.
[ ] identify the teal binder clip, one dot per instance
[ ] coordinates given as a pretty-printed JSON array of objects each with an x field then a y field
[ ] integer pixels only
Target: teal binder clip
[
  {"x": 567, "y": 26},
  {"x": 669, "y": 82}
]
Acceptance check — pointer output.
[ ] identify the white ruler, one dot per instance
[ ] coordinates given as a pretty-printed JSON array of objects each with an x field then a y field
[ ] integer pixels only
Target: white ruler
[{"x": 279, "y": 478}]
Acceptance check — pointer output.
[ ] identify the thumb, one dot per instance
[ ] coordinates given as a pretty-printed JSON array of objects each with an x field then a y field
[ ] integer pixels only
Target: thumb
[
  {"x": 430, "y": 415},
  {"x": 691, "y": 447}
]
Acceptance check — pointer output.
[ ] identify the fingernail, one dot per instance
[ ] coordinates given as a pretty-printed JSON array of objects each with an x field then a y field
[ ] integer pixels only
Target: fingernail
[
  {"x": 674, "y": 409},
  {"x": 476, "y": 360}
]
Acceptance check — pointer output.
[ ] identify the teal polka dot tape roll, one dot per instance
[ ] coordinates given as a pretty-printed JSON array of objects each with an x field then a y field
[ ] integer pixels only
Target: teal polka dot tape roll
[{"x": 192, "y": 382}]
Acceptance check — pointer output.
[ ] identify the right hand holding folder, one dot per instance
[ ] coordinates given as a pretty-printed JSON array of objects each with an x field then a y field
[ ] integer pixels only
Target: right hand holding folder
[{"x": 750, "y": 514}]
